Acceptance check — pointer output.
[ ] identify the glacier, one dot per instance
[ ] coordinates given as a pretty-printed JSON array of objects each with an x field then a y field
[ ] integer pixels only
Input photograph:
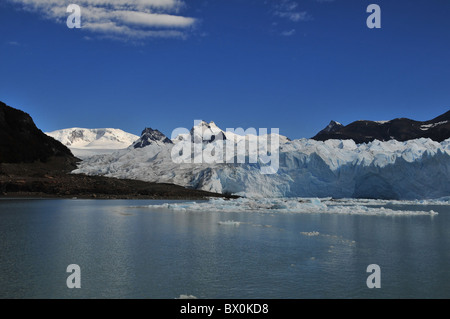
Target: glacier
[
  {"x": 84, "y": 142},
  {"x": 412, "y": 170}
]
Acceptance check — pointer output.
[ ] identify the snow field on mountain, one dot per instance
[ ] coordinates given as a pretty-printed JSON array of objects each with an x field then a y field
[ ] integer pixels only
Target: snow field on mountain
[{"x": 89, "y": 142}]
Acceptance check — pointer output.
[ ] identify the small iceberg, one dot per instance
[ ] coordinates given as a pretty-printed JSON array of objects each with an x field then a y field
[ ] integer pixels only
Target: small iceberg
[
  {"x": 229, "y": 223},
  {"x": 310, "y": 233}
]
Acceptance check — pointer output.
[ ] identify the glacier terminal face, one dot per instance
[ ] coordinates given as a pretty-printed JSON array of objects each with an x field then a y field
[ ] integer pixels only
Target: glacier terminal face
[{"x": 410, "y": 170}]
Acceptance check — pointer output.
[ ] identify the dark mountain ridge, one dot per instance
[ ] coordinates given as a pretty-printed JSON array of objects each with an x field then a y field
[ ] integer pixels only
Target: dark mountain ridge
[
  {"x": 22, "y": 142},
  {"x": 400, "y": 129}
]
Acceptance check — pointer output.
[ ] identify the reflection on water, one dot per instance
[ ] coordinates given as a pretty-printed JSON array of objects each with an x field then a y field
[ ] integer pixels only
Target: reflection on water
[{"x": 138, "y": 252}]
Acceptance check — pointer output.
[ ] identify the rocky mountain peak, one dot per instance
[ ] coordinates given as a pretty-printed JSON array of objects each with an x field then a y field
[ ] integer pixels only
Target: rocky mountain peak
[{"x": 150, "y": 136}]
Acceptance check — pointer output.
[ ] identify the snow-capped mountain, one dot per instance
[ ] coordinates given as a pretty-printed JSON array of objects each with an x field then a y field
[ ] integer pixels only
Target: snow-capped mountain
[
  {"x": 85, "y": 142},
  {"x": 209, "y": 132},
  {"x": 415, "y": 169},
  {"x": 150, "y": 136},
  {"x": 206, "y": 132},
  {"x": 331, "y": 128}
]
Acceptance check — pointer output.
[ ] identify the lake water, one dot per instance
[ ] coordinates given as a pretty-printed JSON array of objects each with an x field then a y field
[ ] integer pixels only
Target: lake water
[{"x": 127, "y": 250}]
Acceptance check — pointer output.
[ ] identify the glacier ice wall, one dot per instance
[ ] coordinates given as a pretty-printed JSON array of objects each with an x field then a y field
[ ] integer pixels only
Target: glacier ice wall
[{"x": 416, "y": 169}]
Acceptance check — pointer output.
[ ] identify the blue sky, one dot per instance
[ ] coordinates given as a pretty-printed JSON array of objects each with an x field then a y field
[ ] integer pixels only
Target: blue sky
[{"x": 292, "y": 65}]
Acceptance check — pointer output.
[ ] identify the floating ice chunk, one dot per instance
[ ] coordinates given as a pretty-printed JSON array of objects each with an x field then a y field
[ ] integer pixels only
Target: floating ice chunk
[
  {"x": 310, "y": 233},
  {"x": 316, "y": 202},
  {"x": 294, "y": 205},
  {"x": 443, "y": 201},
  {"x": 229, "y": 223},
  {"x": 187, "y": 297}
]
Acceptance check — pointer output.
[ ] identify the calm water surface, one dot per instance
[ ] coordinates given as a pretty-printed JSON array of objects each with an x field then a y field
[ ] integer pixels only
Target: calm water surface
[{"x": 130, "y": 252}]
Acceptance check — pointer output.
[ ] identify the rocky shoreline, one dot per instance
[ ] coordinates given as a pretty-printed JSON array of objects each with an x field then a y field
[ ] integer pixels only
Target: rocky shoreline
[
  {"x": 52, "y": 180},
  {"x": 90, "y": 187}
]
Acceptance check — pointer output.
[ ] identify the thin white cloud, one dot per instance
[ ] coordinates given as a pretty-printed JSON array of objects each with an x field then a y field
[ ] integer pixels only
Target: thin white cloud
[
  {"x": 294, "y": 16},
  {"x": 288, "y": 9},
  {"x": 134, "y": 19},
  {"x": 113, "y": 30},
  {"x": 286, "y": 5},
  {"x": 154, "y": 19},
  {"x": 288, "y": 33},
  {"x": 138, "y": 4}
]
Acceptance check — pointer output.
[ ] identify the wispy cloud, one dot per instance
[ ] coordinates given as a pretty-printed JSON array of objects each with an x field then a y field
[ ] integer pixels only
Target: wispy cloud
[
  {"x": 294, "y": 16},
  {"x": 288, "y": 33},
  {"x": 287, "y": 13},
  {"x": 122, "y": 19},
  {"x": 289, "y": 9}
]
